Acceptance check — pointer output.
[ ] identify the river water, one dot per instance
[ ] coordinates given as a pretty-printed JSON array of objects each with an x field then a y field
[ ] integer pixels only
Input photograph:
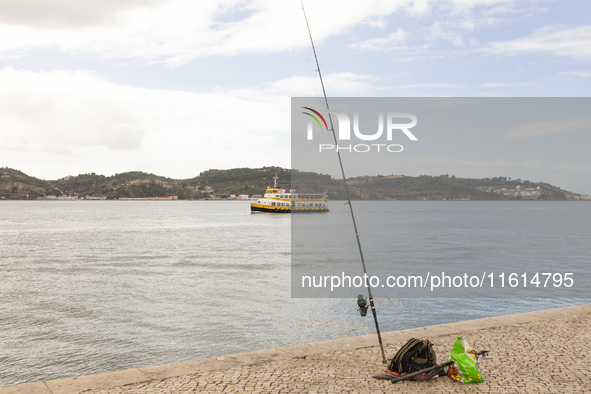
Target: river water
[{"x": 96, "y": 286}]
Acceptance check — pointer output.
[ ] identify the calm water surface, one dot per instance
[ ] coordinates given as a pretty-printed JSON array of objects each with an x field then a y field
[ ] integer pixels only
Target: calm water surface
[{"x": 95, "y": 286}]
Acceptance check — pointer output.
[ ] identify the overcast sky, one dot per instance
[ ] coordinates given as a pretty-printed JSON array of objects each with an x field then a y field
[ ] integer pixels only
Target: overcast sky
[{"x": 176, "y": 87}]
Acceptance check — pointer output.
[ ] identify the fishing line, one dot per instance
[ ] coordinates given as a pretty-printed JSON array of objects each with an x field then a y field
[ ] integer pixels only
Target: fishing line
[{"x": 371, "y": 302}]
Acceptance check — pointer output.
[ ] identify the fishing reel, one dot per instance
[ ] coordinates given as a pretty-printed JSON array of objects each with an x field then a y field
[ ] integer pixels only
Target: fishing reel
[
  {"x": 482, "y": 353},
  {"x": 362, "y": 304}
]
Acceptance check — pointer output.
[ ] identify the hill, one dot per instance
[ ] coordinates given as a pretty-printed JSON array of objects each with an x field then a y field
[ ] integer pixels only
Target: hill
[
  {"x": 241, "y": 180},
  {"x": 135, "y": 184},
  {"x": 138, "y": 184},
  {"x": 445, "y": 187},
  {"x": 15, "y": 184}
]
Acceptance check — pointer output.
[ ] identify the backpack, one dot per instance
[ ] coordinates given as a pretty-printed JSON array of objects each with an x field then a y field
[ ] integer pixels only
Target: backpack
[{"x": 414, "y": 355}]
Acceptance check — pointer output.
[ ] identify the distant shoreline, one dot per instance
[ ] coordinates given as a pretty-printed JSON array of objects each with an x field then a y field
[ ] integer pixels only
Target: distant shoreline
[
  {"x": 249, "y": 200},
  {"x": 245, "y": 183}
]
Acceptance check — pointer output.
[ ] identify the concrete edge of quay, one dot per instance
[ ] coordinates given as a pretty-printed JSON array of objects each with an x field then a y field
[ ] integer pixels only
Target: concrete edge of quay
[{"x": 145, "y": 374}]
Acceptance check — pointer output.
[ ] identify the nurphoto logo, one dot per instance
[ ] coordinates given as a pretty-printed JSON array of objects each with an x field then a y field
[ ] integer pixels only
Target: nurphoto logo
[{"x": 395, "y": 122}]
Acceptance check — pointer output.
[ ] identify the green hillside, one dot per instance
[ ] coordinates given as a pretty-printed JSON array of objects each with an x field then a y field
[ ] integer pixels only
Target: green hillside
[
  {"x": 128, "y": 184},
  {"x": 445, "y": 187},
  {"x": 15, "y": 184},
  {"x": 242, "y": 180}
]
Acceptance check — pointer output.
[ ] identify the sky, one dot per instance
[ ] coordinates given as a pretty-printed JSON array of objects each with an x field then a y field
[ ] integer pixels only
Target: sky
[
  {"x": 543, "y": 139},
  {"x": 177, "y": 87}
]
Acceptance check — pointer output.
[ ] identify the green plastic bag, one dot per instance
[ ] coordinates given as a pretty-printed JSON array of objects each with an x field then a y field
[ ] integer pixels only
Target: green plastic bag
[{"x": 464, "y": 369}]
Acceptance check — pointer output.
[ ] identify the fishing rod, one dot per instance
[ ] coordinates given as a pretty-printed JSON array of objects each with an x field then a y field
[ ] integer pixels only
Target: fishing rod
[{"x": 360, "y": 301}]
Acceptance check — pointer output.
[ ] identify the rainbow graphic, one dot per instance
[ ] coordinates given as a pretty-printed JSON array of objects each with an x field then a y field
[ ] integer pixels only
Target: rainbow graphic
[{"x": 315, "y": 118}]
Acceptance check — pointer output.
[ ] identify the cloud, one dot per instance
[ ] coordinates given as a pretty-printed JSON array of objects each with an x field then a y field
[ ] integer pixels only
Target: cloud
[
  {"x": 173, "y": 32},
  {"x": 581, "y": 74},
  {"x": 62, "y": 111},
  {"x": 178, "y": 31},
  {"x": 80, "y": 117},
  {"x": 343, "y": 84},
  {"x": 570, "y": 167},
  {"x": 494, "y": 85},
  {"x": 545, "y": 128},
  {"x": 456, "y": 20},
  {"x": 432, "y": 85},
  {"x": 65, "y": 14},
  {"x": 378, "y": 22},
  {"x": 445, "y": 31},
  {"x": 571, "y": 42},
  {"x": 451, "y": 21},
  {"x": 382, "y": 43}
]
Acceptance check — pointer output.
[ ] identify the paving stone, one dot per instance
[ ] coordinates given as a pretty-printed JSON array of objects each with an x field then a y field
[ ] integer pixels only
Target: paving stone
[{"x": 541, "y": 356}]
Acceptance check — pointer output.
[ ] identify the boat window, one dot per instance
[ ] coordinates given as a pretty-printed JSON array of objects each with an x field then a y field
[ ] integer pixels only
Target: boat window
[{"x": 273, "y": 204}]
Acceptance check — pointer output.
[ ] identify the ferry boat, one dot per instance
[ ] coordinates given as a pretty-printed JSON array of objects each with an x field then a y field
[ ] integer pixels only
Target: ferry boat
[{"x": 277, "y": 200}]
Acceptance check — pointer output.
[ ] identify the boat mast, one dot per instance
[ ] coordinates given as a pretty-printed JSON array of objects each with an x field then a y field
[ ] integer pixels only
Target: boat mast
[{"x": 371, "y": 302}]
